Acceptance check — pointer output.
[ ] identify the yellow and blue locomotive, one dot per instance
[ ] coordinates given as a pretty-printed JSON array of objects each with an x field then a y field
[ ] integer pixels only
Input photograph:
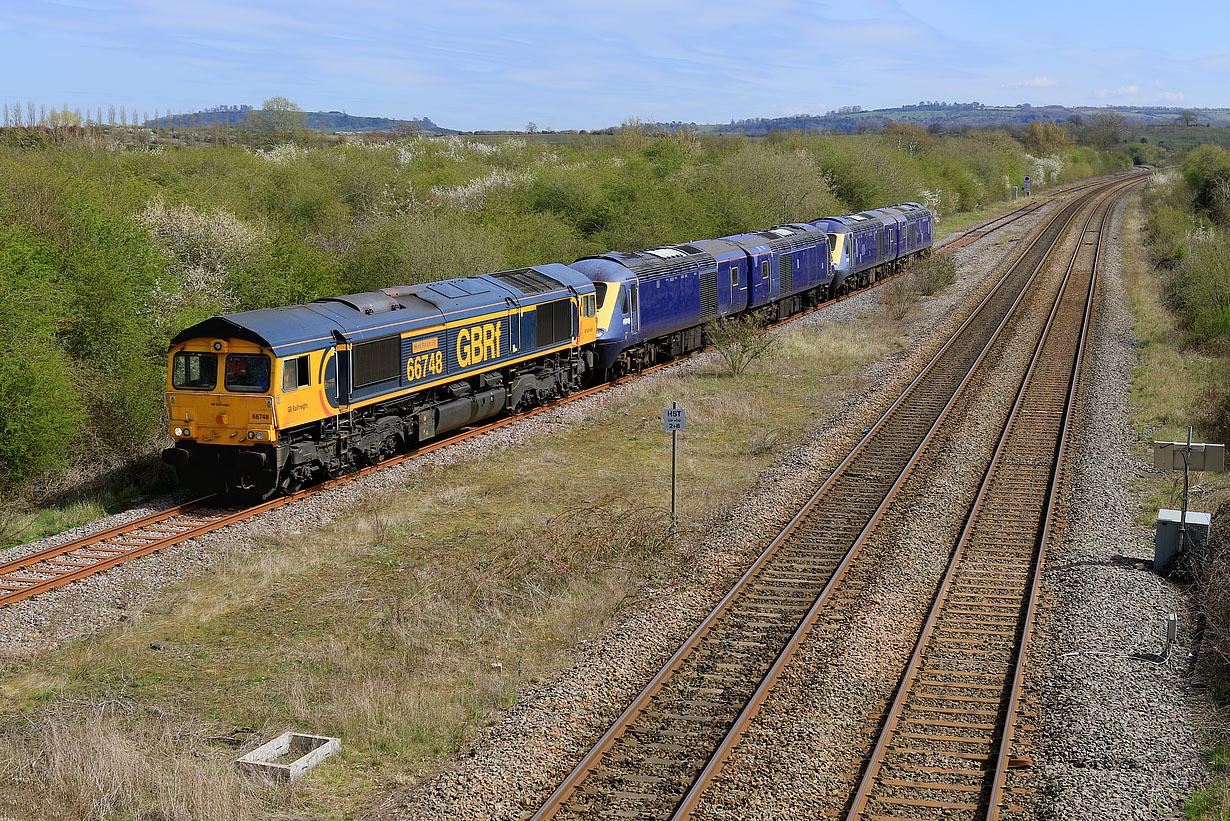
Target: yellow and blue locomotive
[{"x": 268, "y": 400}]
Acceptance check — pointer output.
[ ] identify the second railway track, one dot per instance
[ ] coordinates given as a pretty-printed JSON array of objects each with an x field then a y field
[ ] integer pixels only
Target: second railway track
[
  {"x": 658, "y": 758},
  {"x": 954, "y": 741}
]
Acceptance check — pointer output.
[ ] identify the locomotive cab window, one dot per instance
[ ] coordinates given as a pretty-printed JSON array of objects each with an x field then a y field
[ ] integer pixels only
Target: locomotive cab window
[
  {"x": 247, "y": 373},
  {"x": 600, "y": 288},
  {"x": 623, "y": 299},
  {"x": 590, "y": 306},
  {"x": 764, "y": 270},
  {"x": 193, "y": 371},
  {"x": 295, "y": 373},
  {"x": 734, "y": 276}
]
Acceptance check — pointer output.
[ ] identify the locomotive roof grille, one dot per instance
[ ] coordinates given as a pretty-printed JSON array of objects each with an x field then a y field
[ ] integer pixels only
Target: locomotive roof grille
[
  {"x": 528, "y": 281},
  {"x": 787, "y": 239},
  {"x": 659, "y": 262}
]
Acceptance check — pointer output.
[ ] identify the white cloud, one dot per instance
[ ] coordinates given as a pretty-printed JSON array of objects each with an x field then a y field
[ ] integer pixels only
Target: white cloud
[
  {"x": 1121, "y": 91},
  {"x": 1037, "y": 82},
  {"x": 1172, "y": 96}
]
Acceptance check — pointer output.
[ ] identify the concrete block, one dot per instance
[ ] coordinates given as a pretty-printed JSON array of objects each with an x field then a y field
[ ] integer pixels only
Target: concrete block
[{"x": 298, "y": 753}]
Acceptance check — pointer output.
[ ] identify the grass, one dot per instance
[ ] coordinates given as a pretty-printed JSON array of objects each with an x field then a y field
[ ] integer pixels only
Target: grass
[
  {"x": 1167, "y": 388},
  {"x": 417, "y": 616},
  {"x": 1168, "y": 384},
  {"x": 1212, "y": 801},
  {"x": 21, "y": 526}
]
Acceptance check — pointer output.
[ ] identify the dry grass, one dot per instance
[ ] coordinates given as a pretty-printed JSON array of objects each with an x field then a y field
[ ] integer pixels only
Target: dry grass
[
  {"x": 417, "y": 616},
  {"x": 94, "y": 762}
]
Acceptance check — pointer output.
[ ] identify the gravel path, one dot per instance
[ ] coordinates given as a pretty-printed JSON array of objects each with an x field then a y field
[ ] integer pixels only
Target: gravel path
[
  {"x": 514, "y": 764},
  {"x": 1118, "y": 738}
]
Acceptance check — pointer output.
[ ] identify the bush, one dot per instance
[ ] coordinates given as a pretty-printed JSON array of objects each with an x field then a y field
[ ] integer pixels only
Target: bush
[
  {"x": 934, "y": 273},
  {"x": 1201, "y": 289},
  {"x": 739, "y": 341},
  {"x": 1168, "y": 227},
  {"x": 1207, "y": 170},
  {"x": 40, "y": 408},
  {"x": 898, "y": 296}
]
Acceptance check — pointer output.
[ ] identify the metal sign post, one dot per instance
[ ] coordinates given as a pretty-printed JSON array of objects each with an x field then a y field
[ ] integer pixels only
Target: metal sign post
[
  {"x": 1025, "y": 185},
  {"x": 674, "y": 420},
  {"x": 1187, "y": 469}
]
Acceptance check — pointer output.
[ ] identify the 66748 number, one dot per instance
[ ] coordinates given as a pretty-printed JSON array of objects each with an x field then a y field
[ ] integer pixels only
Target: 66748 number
[{"x": 425, "y": 365}]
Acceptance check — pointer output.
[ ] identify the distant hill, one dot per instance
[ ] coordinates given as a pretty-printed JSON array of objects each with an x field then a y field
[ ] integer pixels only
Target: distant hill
[
  {"x": 956, "y": 115},
  {"x": 336, "y": 121}
]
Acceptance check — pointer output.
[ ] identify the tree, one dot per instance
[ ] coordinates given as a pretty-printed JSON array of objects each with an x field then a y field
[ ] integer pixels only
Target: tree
[
  {"x": 907, "y": 137},
  {"x": 279, "y": 119},
  {"x": 1189, "y": 117},
  {"x": 1104, "y": 130},
  {"x": 531, "y": 127},
  {"x": 1045, "y": 138}
]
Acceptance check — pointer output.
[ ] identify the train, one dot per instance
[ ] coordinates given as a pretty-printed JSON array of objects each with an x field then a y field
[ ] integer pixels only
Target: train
[{"x": 265, "y": 402}]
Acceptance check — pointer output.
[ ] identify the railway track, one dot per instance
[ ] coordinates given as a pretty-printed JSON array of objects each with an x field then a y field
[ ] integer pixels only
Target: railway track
[
  {"x": 956, "y": 728},
  {"x": 660, "y": 755},
  {"x": 58, "y": 566}
]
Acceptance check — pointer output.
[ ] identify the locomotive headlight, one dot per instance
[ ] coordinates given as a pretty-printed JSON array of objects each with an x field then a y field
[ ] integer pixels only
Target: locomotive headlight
[
  {"x": 260, "y": 435},
  {"x": 251, "y": 434},
  {"x": 179, "y": 431}
]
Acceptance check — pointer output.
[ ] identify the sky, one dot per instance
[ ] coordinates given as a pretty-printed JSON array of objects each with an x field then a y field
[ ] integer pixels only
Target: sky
[{"x": 577, "y": 64}]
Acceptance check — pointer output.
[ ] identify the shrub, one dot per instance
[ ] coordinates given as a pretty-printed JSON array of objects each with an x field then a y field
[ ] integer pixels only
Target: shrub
[
  {"x": 1202, "y": 289},
  {"x": 898, "y": 296},
  {"x": 934, "y": 273},
  {"x": 1207, "y": 170},
  {"x": 739, "y": 341},
  {"x": 1168, "y": 227}
]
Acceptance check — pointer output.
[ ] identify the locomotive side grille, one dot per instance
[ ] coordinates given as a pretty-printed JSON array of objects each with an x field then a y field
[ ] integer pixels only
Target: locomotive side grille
[
  {"x": 786, "y": 270},
  {"x": 708, "y": 295},
  {"x": 553, "y": 323},
  {"x": 376, "y": 361}
]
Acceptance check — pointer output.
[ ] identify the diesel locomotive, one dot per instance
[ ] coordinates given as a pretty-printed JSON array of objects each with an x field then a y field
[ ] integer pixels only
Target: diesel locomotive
[{"x": 266, "y": 401}]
